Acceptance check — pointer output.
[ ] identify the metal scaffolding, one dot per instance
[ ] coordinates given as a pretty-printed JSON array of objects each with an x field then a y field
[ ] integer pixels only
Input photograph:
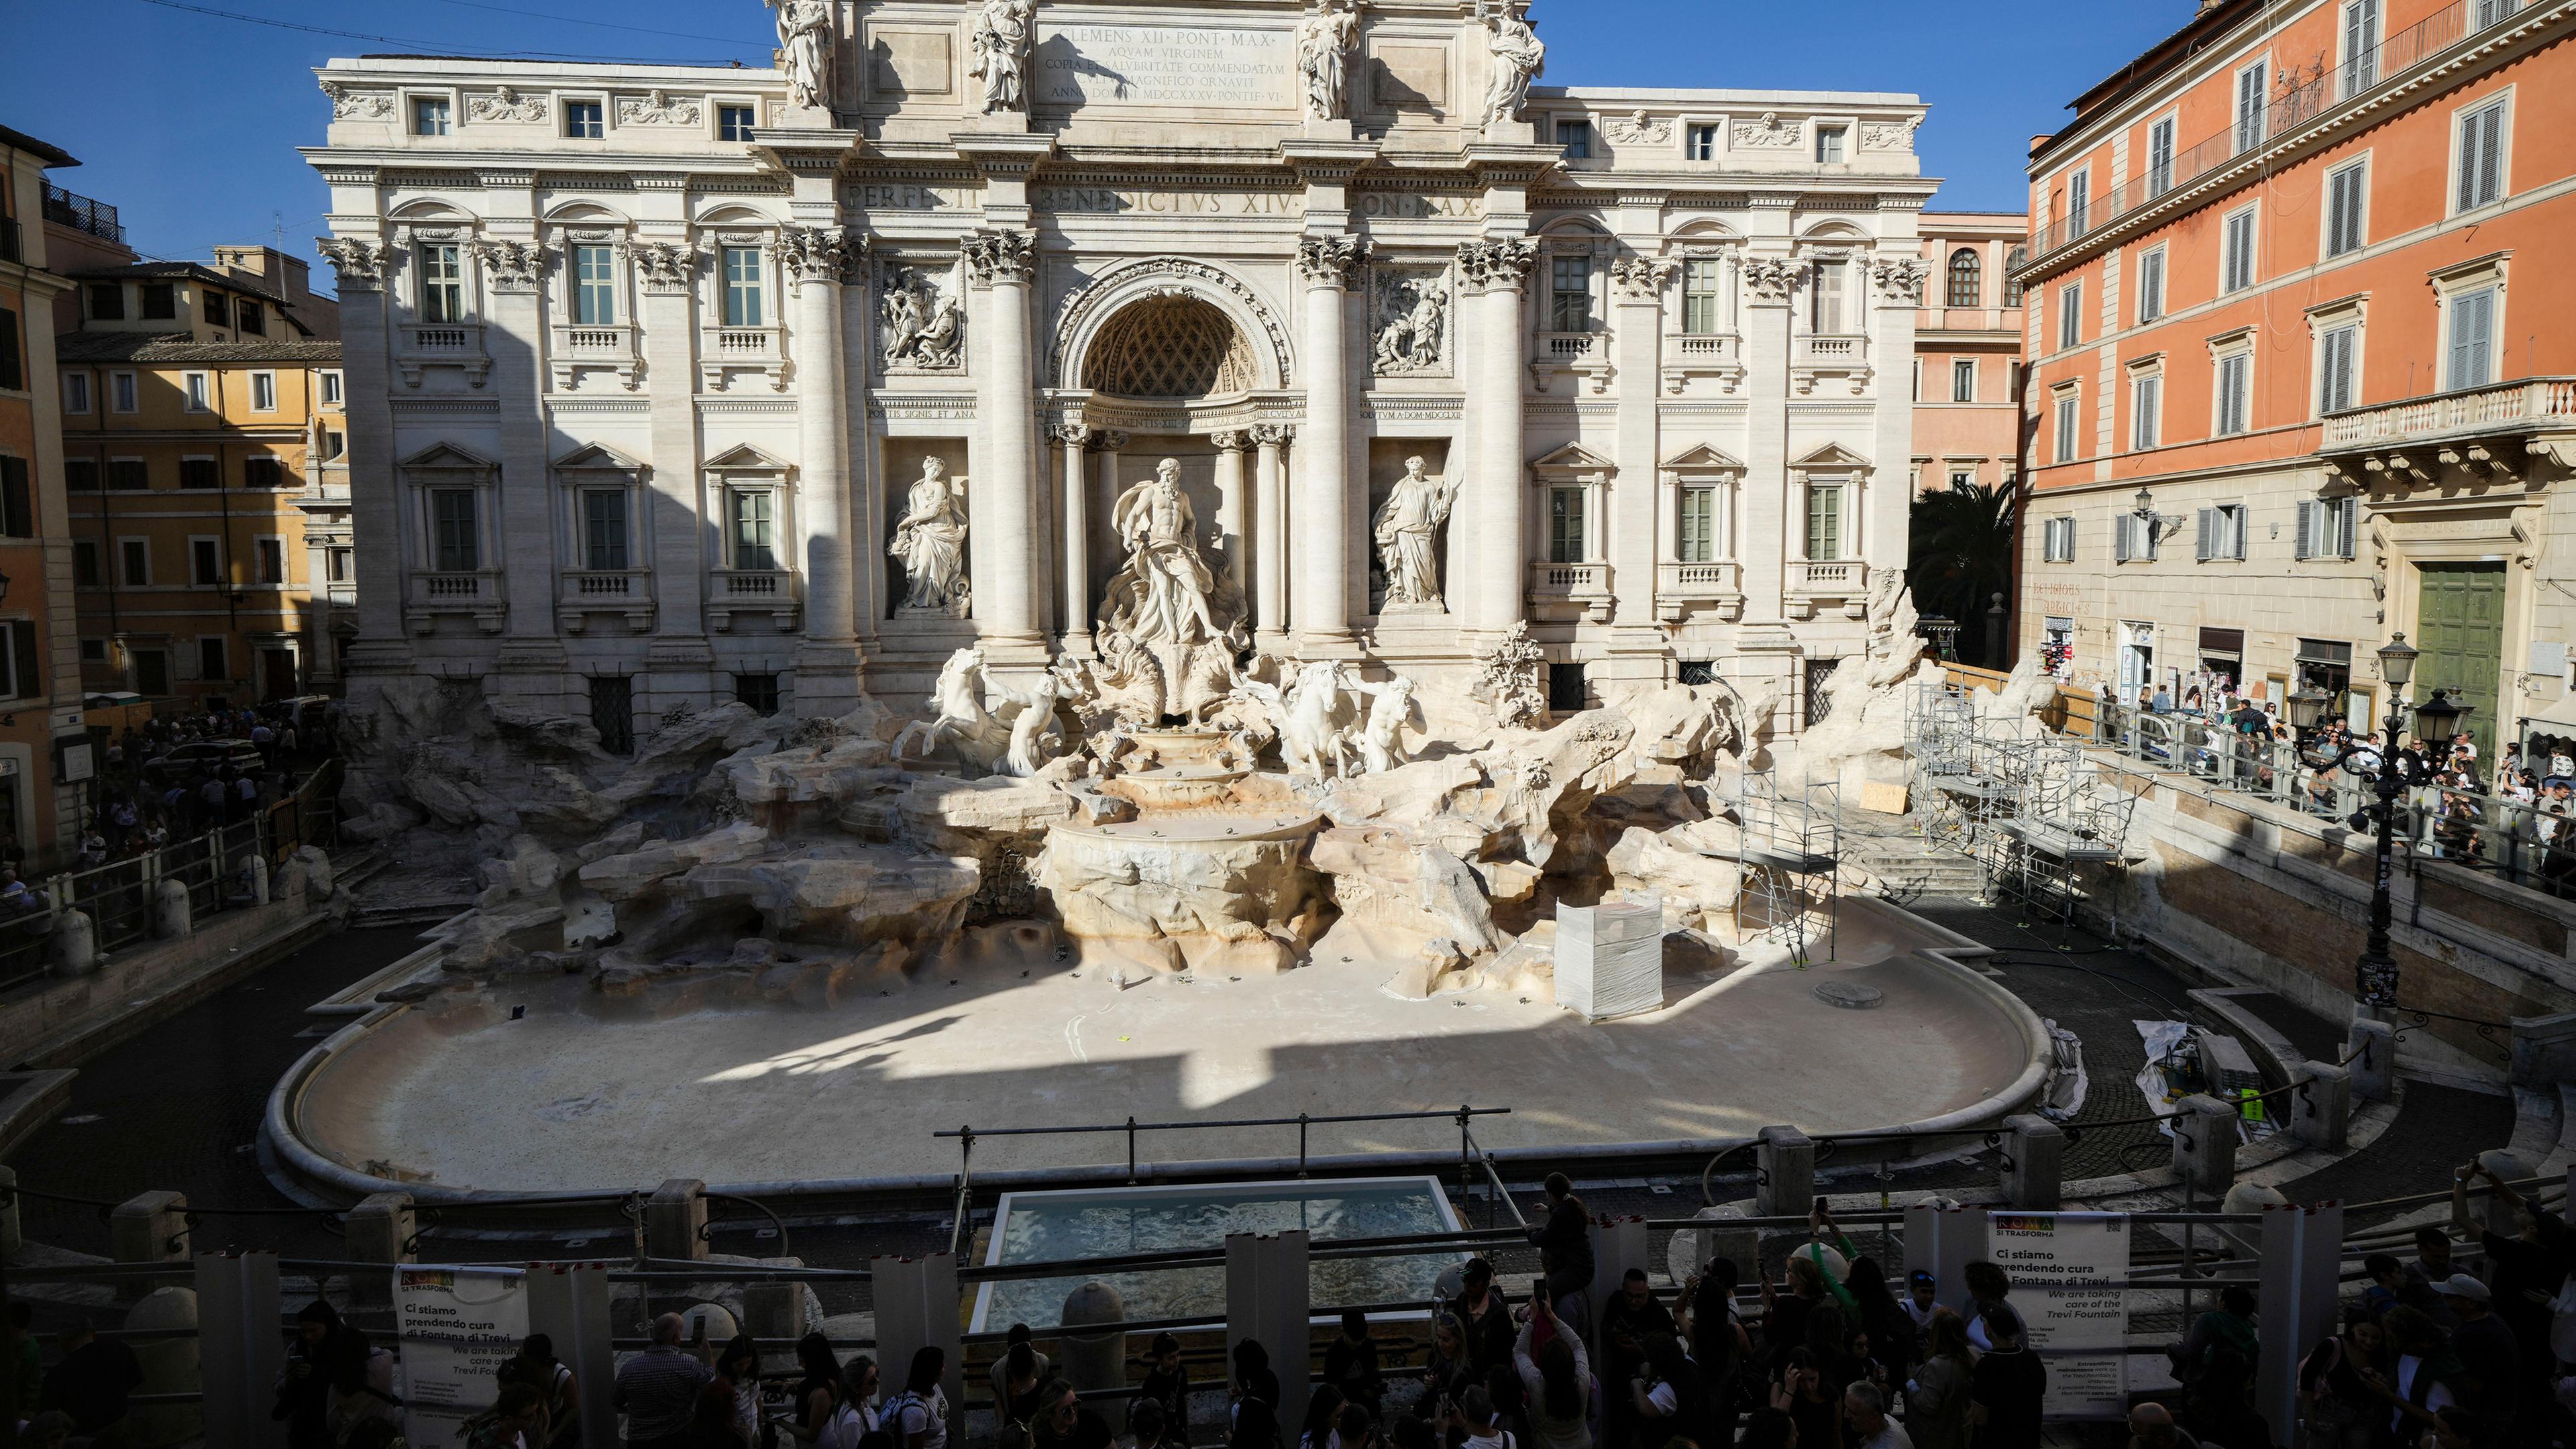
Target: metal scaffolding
[
  {"x": 2026, "y": 804},
  {"x": 1788, "y": 856}
]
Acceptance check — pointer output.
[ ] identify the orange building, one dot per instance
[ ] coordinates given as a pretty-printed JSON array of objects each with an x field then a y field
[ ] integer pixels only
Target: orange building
[
  {"x": 2300, "y": 377},
  {"x": 1967, "y": 350},
  {"x": 44, "y": 750}
]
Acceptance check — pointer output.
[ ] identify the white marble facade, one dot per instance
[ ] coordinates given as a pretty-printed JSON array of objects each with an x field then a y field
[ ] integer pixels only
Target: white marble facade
[{"x": 649, "y": 366}]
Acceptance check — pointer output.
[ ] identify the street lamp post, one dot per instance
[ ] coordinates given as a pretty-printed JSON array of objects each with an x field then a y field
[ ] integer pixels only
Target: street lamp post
[{"x": 2375, "y": 973}]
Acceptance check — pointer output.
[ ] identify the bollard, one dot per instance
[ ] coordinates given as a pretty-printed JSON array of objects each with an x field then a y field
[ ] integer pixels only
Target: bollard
[
  {"x": 2372, "y": 1045},
  {"x": 170, "y": 1366},
  {"x": 2036, "y": 1151},
  {"x": 2320, "y": 1111},
  {"x": 675, "y": 1220},
  {"x": 379, "y": 1229},
  {"x": 2204, "y": 1144},
  {"x": 773, "y": 1310},
  {"x": 1095, "y": 1338},
  {"x": 172, "y": 916},
  {"x": 254, "y": 869},
  {"x": 1785, "y": 1173},
  {"x": 75, "y": 941},
  {"x": 150, "y": 1227}
]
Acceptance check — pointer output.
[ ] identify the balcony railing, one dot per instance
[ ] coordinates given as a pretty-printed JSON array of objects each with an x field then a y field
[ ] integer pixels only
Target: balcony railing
[
  {"x": 434, "y": 592},
  {"x": 1832, "y": 348},
  {"x": 1569, "y": 580},
  {"x": 755, "y": 584},
  {"x": 451, "y": 586},
  {"x": 2503, "y": 407},
  {"x": 2296, "y": 99},
  {"x": 421, "y": 344},
  {"x": 725, "y": 348},
  {"x": 1697, "y": 580},
  {"x": 752, "y": 591},
  {"x": 67, "y": 208},
  {"x": 1568, "y": 346},
  {"x": 1836, "y": 578},
  {"x": 609, "y": 345}
]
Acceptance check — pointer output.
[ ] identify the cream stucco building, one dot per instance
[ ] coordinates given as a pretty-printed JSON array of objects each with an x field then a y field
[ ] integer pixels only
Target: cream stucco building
[{"x": 647, "y": 365}]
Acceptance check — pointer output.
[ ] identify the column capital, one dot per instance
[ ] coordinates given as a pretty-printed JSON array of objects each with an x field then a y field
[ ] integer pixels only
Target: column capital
[
  {"x": 1231, "y": 440},
  {"x": 1900, "y": 280},
  {"x": 1498, "y": 264},
  {"x": 360, "y": 264},
  {"x": 1770, "y": 280},
  {"x": 664, "y": 267},
  {"x": 1642, "y": 279},
  {"x": 1003, "y": 256},
  {"x": 1271, "y": 435},
  {"x": 1071, "y": 434},
  {"x": 1328, "y": 261},
  {"x": 1109, "y": 440},
  {"x": 513, "y": 266},
  {"x": 816, "y": 254}
]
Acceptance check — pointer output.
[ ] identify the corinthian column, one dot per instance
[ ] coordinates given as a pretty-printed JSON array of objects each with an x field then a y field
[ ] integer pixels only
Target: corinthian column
[
  {"x": 1001, "y": 488},
  {"x": 1073, "y": 438},
  {"x": 374, "y": 499},
  {"x": 1322, "y": 604},
  {"x": 827, "y": 665},
  {"x": 1637, "y": 287},
  {"x": 1490, "y": 505},
  {"x": 1270, "y": 538},
  {"x": 1230, "y": 448}
]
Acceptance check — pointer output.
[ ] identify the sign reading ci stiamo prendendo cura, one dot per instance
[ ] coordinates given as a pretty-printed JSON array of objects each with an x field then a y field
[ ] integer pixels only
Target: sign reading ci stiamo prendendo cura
[{"x": 2066, "y": 1322}]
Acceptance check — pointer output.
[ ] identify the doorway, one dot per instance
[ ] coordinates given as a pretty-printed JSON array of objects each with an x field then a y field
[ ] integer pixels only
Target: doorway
[
  {"x": 277, "y": 674},
  {"x": 2459, "y": 616},
  {"x": 2137, "y": 660}
]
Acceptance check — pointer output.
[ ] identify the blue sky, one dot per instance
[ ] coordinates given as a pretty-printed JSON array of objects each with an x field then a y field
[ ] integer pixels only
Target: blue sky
[{"x": 188, "y": 122}]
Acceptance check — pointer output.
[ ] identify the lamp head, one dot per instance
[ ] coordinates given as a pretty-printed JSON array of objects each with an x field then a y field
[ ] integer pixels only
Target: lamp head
[
  {"x": 2306, "y": 707},
  {"x": 2439, "y": 716},
  {"x": 2397, "y": 660}
]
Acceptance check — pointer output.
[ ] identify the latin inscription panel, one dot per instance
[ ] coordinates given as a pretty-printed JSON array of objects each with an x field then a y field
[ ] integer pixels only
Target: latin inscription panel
[{"x": 1207, "y": 66}]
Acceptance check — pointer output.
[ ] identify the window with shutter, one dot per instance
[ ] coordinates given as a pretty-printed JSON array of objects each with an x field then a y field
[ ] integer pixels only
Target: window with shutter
[
  {"x": 2360, "y": 45},
  {"x": 13, "y": 373},
  {"x": 2203, "y": 549},
  {"x": 2151, "y": 285},
  {"x": 26, "y": 662},
  {"x": 2253, "y": 85},
  {"x": 2307, "y": 531},
  {"x": 2481, "y": 156},
  {"x": 2472, "y": 352},
  {"x": 2335, "y": 355},
  {"x": 2121, "y": 549},
  {"x": 2146, "y": 403},
  {"x": 2347, "y": 518},
  {"x": 17, "y": 504},
  {"x": 2160, "y": 157},
  {"x": 2343, "y": 210}
]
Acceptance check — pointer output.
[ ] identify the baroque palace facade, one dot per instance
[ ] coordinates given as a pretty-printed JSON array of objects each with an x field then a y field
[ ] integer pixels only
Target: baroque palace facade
[{"x": 674, "y": 385}]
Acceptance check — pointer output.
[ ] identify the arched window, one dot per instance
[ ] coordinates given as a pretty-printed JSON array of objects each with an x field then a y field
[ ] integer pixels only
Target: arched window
[
  {"x": 1965, "y": 281},
  {"x": 2013, "y": 262}
]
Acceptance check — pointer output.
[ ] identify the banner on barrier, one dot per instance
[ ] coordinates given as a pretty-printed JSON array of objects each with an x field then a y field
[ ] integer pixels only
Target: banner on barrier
[
  {"x": 456, "y": 1327},
  {"x": 2064, "y": 1323}
]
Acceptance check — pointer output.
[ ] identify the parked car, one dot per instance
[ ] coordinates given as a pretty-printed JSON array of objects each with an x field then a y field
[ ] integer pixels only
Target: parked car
[{"x": 202, "y": 758}]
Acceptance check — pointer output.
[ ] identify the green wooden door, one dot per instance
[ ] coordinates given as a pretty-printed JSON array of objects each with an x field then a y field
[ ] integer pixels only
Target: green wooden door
[{"x": 2460, "y": 618}]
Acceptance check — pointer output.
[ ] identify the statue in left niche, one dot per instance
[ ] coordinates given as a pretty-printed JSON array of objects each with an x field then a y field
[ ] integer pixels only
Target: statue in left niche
[
  {"x": 1000, "y": 41},
  {"x": 930, "y": 541},
  {"x": 805, "y": 44}
]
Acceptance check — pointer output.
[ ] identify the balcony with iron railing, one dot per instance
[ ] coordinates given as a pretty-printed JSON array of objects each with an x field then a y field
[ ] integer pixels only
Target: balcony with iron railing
[
  {"x": 2296, "y": 100},
  {"x": 71, "y": 209}
]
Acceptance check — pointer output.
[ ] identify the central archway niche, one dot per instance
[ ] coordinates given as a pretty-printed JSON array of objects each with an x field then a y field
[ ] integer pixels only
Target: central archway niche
[{"x": 1172, "y": 347}]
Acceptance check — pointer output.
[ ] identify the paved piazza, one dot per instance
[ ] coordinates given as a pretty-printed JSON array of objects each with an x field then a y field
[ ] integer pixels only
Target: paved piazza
[{"x": 569, "y": 1098}]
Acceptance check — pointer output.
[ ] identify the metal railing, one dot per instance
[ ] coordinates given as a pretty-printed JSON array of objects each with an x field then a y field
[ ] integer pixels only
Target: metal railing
[
  {"x": 2297, "y": 98},
  {"x": 2516, "y": 840},
  {"x": 118, "y": 896},
  {"x": 71, "y": 209}
]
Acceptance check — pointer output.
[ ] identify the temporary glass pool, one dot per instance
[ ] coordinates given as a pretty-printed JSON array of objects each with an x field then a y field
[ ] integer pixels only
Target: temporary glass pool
[{"x": 1046, "y": 1227}]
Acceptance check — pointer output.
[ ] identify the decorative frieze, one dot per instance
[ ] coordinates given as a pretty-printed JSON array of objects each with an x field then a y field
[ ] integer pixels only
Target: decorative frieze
[
  {"x": 656, "y": 109},
  {"x": 505, "y": 105},
  {"x": 354, "y": 105}
]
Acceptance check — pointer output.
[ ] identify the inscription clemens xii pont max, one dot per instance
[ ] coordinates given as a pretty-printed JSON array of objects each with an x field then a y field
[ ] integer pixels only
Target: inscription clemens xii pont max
[{"x": 1164, "y": 66}]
